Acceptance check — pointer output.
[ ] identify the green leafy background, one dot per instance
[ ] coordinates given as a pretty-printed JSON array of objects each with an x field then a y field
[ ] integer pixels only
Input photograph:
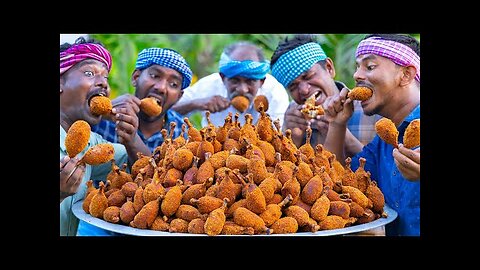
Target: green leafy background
[{"x": 202, "y": 52}]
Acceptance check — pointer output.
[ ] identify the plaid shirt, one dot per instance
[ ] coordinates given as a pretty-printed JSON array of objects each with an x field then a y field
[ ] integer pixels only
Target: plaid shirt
[{"x": 107, "y": 130}]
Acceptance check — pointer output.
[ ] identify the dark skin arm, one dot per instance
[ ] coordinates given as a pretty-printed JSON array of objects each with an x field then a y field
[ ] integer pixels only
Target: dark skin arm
[
  {"x": 70, "y": 176},
  {"x": 296, "y": 122},
  {"x": 338, "y": 110},
  {"x": 213, "y": 104}
]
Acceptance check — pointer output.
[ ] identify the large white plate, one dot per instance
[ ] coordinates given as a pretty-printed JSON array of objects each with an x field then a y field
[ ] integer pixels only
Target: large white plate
[{"x": 123, "y": 229}]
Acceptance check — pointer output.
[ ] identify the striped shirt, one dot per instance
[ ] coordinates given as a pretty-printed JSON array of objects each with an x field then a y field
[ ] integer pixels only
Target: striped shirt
[{"x": 107, "y": 130}]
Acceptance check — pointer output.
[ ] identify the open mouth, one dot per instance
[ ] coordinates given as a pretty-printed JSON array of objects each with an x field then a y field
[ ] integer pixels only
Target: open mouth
[
  {"x": 158, "y": 100},
  {"x": 102, "y": 94}
]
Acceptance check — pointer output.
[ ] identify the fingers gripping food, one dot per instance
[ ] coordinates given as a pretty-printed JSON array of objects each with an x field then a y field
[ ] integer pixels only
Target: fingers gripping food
[
  {"x": 150, "y": 106},
  {"x": 360, "y": 93}
]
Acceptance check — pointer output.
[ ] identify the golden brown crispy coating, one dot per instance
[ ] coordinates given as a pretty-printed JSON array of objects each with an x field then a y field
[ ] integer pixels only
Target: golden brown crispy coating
[
  {"x": 311, "y": 110},
  {"x": 285, "y": 225},
  {"x": 117, "y": 198},
  {"x": 127, "y": 212},
  {"x": 160, "y": 224},
  {"x": 100, "y": 105},
  {"x": 231, "y": 228},
  {"x": 334, "y": 222},
  {"x": 274, "y": 211},
  {"x": 129, "y": 189},
  {"x": 387, "y": 131},
  {"x": 112, "y": 214},
  {"x": 216, "y": 219},
  {"x": 374, "y": 194},
  {"x": 99, "y": 202},
  {"x": 246, "y": 218},
  {"x": 147, "y": 215},
  {"x": 260, "y": 99},
  {"x": 172, "y": 200},
  {"x": 99, "y": 154},
  {"x": 339, "y": 208},
  {"x": 187, "y": 212},
  {"x": 411, "y": 137},
  {"x": 207, "y": 204},
  {"x": 360, "y": 93},
  {"x": 77, "y": 137},
  {"x": 240, "y": 103},
  {"x": 178, "y": 225},
  {"x": 196, "y": 226},
  {"x": 150, "y": 106},
  {"x": 320, "y": 208}
]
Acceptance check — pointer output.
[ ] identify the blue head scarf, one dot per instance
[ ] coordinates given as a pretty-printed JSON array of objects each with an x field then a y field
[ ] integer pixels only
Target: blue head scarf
[
  {"x": 293, "y": 63},
  {"x": 248, "y": 68},
  {"x": 166, "y": 58}
]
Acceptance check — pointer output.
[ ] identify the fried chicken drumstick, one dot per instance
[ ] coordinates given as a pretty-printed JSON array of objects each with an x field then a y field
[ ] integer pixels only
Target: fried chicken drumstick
[
  {"x": 150, "y": 106},
  {"x": 100, "y": 105},
  {"x": 387, "y": 131},
  {"x": 360, "y": 93}
]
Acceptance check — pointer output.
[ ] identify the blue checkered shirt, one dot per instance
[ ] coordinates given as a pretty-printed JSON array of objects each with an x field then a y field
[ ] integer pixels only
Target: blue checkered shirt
[{"x": 107, "y": 130}]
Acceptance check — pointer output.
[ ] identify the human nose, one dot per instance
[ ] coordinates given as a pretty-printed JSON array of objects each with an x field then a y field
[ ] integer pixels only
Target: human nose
[
  {"x": 303, "y": 88},
  {"x": 358, "y": 75},
  {"x": 242, "y": 88},
  {"x": 161, "y": 86},
  {"x": 102, "y": 82}
]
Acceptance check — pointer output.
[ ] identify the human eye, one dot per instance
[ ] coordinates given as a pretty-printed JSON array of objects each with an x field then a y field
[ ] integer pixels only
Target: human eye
[
  {"x": 89, "y": 73},
  {"x": 371, "y": 67}
]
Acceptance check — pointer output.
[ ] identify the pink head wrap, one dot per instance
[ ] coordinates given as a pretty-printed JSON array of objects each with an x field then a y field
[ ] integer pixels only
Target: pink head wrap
[
  {"x": 399, "y": 53},
  {"x": 79, "y": 52}
]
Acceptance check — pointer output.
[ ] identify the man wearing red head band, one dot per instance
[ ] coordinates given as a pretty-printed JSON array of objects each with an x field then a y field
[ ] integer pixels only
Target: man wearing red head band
[{"x": 84, "y": 70}]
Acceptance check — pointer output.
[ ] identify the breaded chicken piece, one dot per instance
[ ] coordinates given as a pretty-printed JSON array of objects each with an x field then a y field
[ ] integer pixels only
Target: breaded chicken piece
[
  {"x": 240, "y": 103},
  {"x": 150, "y": 106},
  {"x": 100, "y": 105},
  {"x": 99, "y": 154},
  {"x": 387, "y": 131},
  {"x": 260, "y": 99},
  {"x": 360, "y": 93},
  {"x": 77, "y": 137},
  {"x": 311, "y": 110},
  {"x": 411, "y": 137}
]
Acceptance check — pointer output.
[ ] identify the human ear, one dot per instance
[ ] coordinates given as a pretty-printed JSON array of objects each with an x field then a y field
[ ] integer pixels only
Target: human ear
[{"x": 408, "y": 75}]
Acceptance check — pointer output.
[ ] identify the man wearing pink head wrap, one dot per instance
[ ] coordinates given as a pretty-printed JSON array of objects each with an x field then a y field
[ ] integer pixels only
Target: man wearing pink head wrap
[
  {"x": 389, "y": 65},
  {"x": 84, "y": 70}
]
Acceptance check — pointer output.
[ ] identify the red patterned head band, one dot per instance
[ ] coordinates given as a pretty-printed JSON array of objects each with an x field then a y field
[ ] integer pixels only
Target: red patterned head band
[
  {"x": 79, "y": 52},
  {"x": 397, "y": 52}
]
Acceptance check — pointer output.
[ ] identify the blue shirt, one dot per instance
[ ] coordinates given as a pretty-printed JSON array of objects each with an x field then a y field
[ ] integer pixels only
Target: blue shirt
[
  {"x": 107, "y": 130},
  {"x": 401, "y": 194}
]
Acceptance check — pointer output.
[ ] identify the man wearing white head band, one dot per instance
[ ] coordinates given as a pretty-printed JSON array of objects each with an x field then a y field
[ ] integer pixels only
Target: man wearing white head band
[
  {"x": 390, "y": 66},
  {"x": 302, "y": 66},
  {"x": 242, "y": 71}
]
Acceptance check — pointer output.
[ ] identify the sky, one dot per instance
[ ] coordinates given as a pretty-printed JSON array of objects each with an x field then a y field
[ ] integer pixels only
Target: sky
[{"x": 70, "y": 38}]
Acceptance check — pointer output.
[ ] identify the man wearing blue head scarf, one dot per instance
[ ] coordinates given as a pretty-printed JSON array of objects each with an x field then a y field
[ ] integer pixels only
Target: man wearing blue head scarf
[
  {"x": 243, "y": 71},
  {"x": 161, "y": 74},
  {"x": 301, "y": 65}
]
